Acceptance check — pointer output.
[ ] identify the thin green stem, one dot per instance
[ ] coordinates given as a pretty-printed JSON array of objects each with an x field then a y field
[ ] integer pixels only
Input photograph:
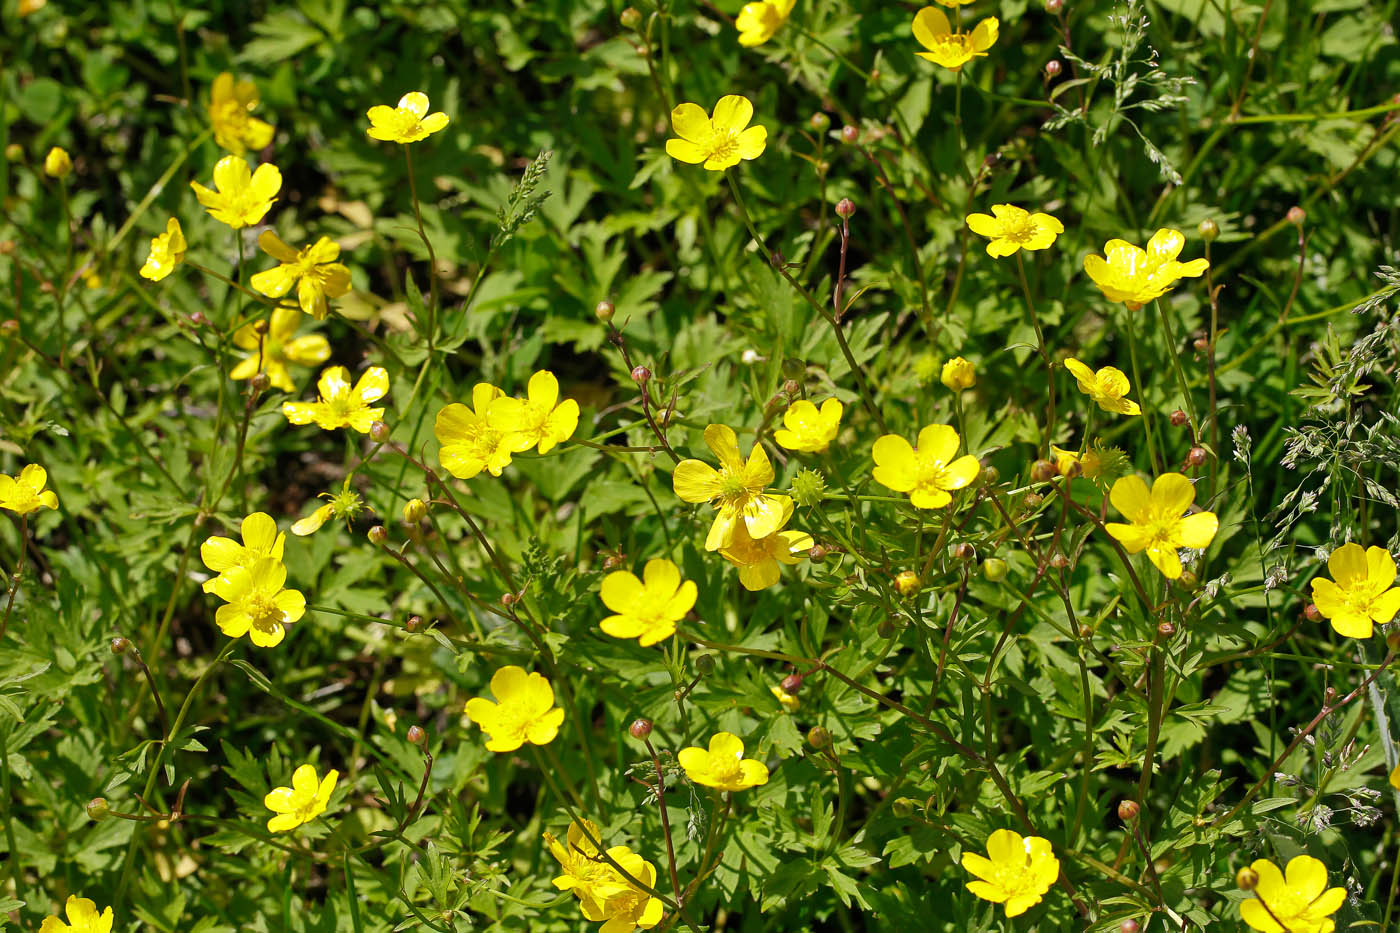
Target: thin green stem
[{"x": 1154, "y": 461}]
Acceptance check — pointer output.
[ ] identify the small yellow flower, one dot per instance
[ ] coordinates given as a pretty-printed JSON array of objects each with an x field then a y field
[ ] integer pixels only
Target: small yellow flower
[
  {"x": 260, "y": 539},
  {"x": 591, "y": 878},
  {"x": 272, "y": 351},
  {"x": 719, "y": 141},
  {"x": 346, "y": 503},
  {"x": 808, "y": 428},
  {"x": 230, "y": 106},
  {"x": 301, "y": 803},
  {"x": 313, "y": 270},
  {"x": 736, "y": 489},
  {"x": 760, "y": 560},
  {"x": 724, "y": 766},
  {"x": 1158, "y": 522},
  {"x": 244, "y": 196},
  {"x": 1297, "y": 901},
  {"x": 1362, "y": 593},
  {"x": 958, "y": 374},
  {"x": 26, "y": 493},
  {"x": 1133, "y": 276},
  {"x": 341, "y": 406},
  {"x": 789, "y": 702},
  {"x": 409, "y": 122},
  {"x": 258, "y": 606},
  {"x": 58, "y": 164},
  {"x": 930, "y": 472},
  {"x": 167, "y": 252},
  {"x": 1065, "y": 460},
  {"x": 1012, "y": 228},
  {"x": 948, "y": 48},
  {"x": 524, "y": 710},
  {"x": 82, "y": 918},
  {"x": 535, "y": 421},
  {"x": 469, "y": 443},
  {"x": 1016, "y": 872},
  {"x": 632, "y": 908},
  {"x": 646, "y": 609},
  {"x": 1109, "y": 387},
  {"x": 758, "y": 21}
]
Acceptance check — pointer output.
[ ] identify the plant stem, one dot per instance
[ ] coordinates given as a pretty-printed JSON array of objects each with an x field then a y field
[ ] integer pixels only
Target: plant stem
[{"x": 1044, "y": 352}]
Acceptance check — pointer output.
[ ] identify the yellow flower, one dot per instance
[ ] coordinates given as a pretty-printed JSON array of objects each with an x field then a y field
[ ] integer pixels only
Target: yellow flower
[
  {"x": 346, "y": 504},
  {"x": 1108, "y": 387},
  {"x": 929, "y": 472},
  {"x": 647, "y": 611},
  {"x": 82, "y": 918},
  {"x": 229, "y": 107},
  {"x": 736, "y": 489},
  {"x": 1133, "y": 276},
  {"x": 524, "y": 710},
  {"x": 1362, "y": 593},
  {"x": 260, "y": 539},
  {"x": 409, "y": 122},
  {"x": 1297, "y": 901},
  {"x": 958, "y": 374},
  {"x": 535, "y": 421},
  {"x": 244, "y": 196},
  {"x": 258, "y": 606},
  {"x": 758, "y": 21},
  {"x": 632, "y": 908},
  {"x": 807, "y": 428},
  {"x": 1158, "y": 520},
  {"x": 26, "y": 7},
  {"x": 341, "y": 406},
  {"x": 1065, "y": 460},
  {"x": 58, "y": 164},
  {"x": 948, "y": 48},
  {"x": 591, "y": 879},
  {"x": 1012, "y": 228},
  {"x": 719, "y": 141},
  {"x": 724, "y": 766},
  {"x": 469, "y": 443},
  {"x": 788, "y": 702},
  {"x": 26, "y": 493},
  {"x": 1016, "y": 872},
  {"x": 301, "y": 803},
  {"x": 272, "y": 351},
  {"x": 759, "y": 559},
  {"x": 167, "y": 252},
  {"x": 313, "y": 270}
]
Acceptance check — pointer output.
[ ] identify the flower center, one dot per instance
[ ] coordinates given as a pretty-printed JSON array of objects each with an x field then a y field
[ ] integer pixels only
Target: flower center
[
  {"x": 932, "y": 475},
  {"x": 723, "y": 144},
  {"x": 263, "y": 611},
  {"x": 1019, "y": 231}
]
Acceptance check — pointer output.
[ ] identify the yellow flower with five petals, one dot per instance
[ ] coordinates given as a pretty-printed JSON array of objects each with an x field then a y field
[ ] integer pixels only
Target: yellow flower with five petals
[
  {"x": 167, "y": 252},
  {"x": 230, "y": 111},
  {"x": 808, "y": 428},
  {"x": 301, "y": 803},
  {"x": 1360, "y": 592},
  {"x": 341, "y": 406},
  {"x": 260, "y": 539},
  {"x": 1108, "y": 387},
  {"x": 524, "y": 710},
  {"x": 244, "y": 196},
  {"x": 539, "y": 420},
  {"x": 313, "y": 270},
  {"x": 1157, "y": 520},
  {"x": 272, "y": 351},
  {"x": 930, "y": 472},
  {"x": 591, "y": 878},
  {"x": 723, "y": 765},
  {"x": 1136, "y": 276},
  {"x": 258, "y": 605},
  {"x": 759, "y": 21},
  {"x": 469, "y": 443},
  {"x": 1016, "y": 871},
  {"x": 949, "y": 48},
  {"x": 632, "y": 908},
  {"x": 409, "y": 122},
  {"x": 760, "y": 560},
  {"x": 646, "y": 609},
  {"x": 718, "y": 141},
  {"x": 1011, "y": 228},
  {"x": 1296, "y": 900},
  {"x": 736, "y": 489},
  {"x": 26, "y": 493},
  {"x": 82, "y": 918}
]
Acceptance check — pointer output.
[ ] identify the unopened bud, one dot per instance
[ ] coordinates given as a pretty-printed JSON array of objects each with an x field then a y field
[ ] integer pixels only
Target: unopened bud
[
  {"x": 820, "y": 122},
  {"x": 1053, "y": 7},
  {"x": 260, "y": 382},
  {"x": 198, "y": 319},
  {"x": 641, "y": 375},
  {"x": 964, "y": 551},
  {"x": 414, "y": 511},
  {"x": 120, "y": 645},
  {"x": 1196, "y": 456},
  {"x": 1201, "y": 344},
  {"x": 1052, "y": 68},
  {"x": 1128, "y": 810},
  {"x": 1296, "y": 216},
  {"x": 1043, "y": 470},
  {"x": 630, "y": 18},
  {"x": 792, "y": 683},
  {"x": 1246, "y": 879},
  {"x": 990, "y": 475},
  {"x": 907, "y": 582},
  {"x": 1208, "y": 229},
  {"x": 1032, "y": 501},
  {"x": 413, "y": 624},
  {"x": 640, "y": 729},
  {"x": 1166, "y": 630},
  {"x": 604, "y": 311},
  {"x": 705, "y": 664},
  {"x": 1329, "y": 695},
  {"x": 817, "y": 737},
  {"x": 1128, "y": 926},
  {"x": 378, "y": 534},
  {"x": 1392, "y": 641},
  {"x": 1188, "y": 580},
  {"x": 849, "y": 134},
  {"x": 817, "y": 553},
  {"x": 1059, "y": 562},
  {"x": 885, "y": 629},
  {"x": 792, "y": 388},
  {"x": 379, "y": 432},
  {"x": 613, "y": 561},
  {"x": 903, "y": 807},
  {"x": 416, "y": 735},
  {"x": 261, "y": 327},
  {"x": 1178, "y": 418},
  {"x": 97, "y": 808},
  {"x": 509, "y": 599},
  {"x": 845, "y": 208},
  {"x": 57, "y": 163},
  {"x": 994, "y": 569},
  {"x": 1312, "y": 613}
]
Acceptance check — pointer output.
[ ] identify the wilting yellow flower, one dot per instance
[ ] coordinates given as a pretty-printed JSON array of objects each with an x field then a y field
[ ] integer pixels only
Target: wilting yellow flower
[
  {"x": 632, "y": 908},
  {"x": 301, "y": 803},
  {"x": 958, "y": 374},
  {"x": 736, "y": 489},
  {"x": 591, "y": 878},
  {"x": 788, "y": 701},
  {"x": 1065, "y": 460},
  {"x": 646, "y": 609},
  {"x": 272, "y": 351},
  {"x": 313, "y": 270},
  {"x": 346, "y": 504},
  {"x": 341, "y": 406},
  {"x": 409, "y": 122},
  {"x": 536, "y": 421},
  {"x": 1109, "y": 387},
  {"x": 808, "y": 428},
  {"x": 1133, "y": 276},
  {"x": 469, "y": 443},
  {"x": 1016, "y": 872},
  {"x": 260, "y": 539},
  {"x": 230, "y": 106},
  {"x": 244, "y": 196},
  {"x": 1158, "y": 520},
  {"x": 524, "y": 710},
  {"x": 723, "y": 766},
  {"x": 1012, "y": 228},
  {"x": 26, "y": 493},
  {"x": 82, "y": 918},
  {"x": 258, "y": 606},
  {"x": 58, "y": 164},
  {"x": 167, "y": 252},
  {"x": 758, "y": 21},
  {"x": 1362, "y": 593},
  {"x": 929, "y": 472},
  {"x": 719, "y": 141},
  {"x": 1297, "y": 901},
  {"x": 948, "y": 48},
  {"x": 759, "y": 559}
]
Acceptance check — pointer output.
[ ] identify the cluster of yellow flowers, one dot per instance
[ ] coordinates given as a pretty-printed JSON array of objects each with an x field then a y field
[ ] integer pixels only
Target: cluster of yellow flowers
[{"x": 496, "y": 426}]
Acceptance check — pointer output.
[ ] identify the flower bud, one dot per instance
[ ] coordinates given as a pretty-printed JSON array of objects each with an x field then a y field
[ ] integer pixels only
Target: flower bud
[
  {"x": 1312, "y": 613},
  {"x": 261, "y": 327},
  {"x": 817, "y": 553},
  {"x": 379, "y": 432},
  {"x": 1052, "y": 68},
  {"x": 705, "y": 664},
  {"x": 820, "y": 122},
  {"x": 1128, "y": 810},
  {"x": 994, "y": 569},
  {"x": 849, "y": 134},
  {"x": 414, "y": 511},
  {"x": 413, "y": 624},
  {"x": 1166, "y": 630},
  {"x": 907, "y": 582},
  {"x": 885, "y": 629},
  {"x": 1128, "y": 926},
  {"x": 1208, "y": 229},
  {"x": 1178, "y": 418},
  {"x": 792, "y": 683},
  {"x": 14, "y": 152},
  {"x": 416, "y": 735},
  {"x": 1201, "y": 344},
  {"x": 1053, "y": 7},
  {"x": 604, "y": 311},
  {"x": 1246, "y": 878},
  {"x": 260, "y": 382},
  {"x": 903, "y": 808},
  {"x": 641, "y": 375},
  {"x": 120, "y": 645},
  {"x": 1196, "y": 456},
  {"x": 509, "y": 599},
  {"x": 378, "y": 534},
  {"x": 792, "y": 388},
  {"x": 1032, "y": 501},
  {"x": 1329, "y": 696},
  {"x": 97, "y": 808},
  {"x": 613, "y": 561},
  {"x": 1042, "y": 471},
  {"x": 630, "y": 18},
  {"x": 57, "y": 164},
  {"x": 1188, "y": 580},
  {"x": 817, "y": 737},
  {"x": 1059, "y": 562},
  {"x": 958, "y": 374},
  {"x": 990, "y": 475},
  {"x": 198, "y": 319},
  {"x": 964, "y": 551},
  {"x": 845, "y": 208},
  {"x": 1296, "y": 215},
  {"x": 640, "y": 729}
]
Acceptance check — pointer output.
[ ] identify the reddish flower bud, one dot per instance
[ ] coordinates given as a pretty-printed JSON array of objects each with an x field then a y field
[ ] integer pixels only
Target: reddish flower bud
[
  {"x": 1043, "y": 470},
  {"x": 604, "y": 311},
  {"x": 1178, "y": 418},
  {"x": 1296, "y": 216},
  {"x": 630, "y": 18},
  {"x": 641, "y": 375},
  {"x": 640, "y": 729},
  {"x": 792, "y": 683},
  {"x": 820, "y": 122},
  {"x": 378, "y": 534},
  {"x": 964, "y": 551},
  {"x": 1128, "y": 810},
  {"x": 849, "y": 134},
  {"x": 1196, "y": 456},
  {"x": 817, "y": 737},
  {"x": 416, "y": 735},
  {"x": 120, "y": 645},
  {"x": 845, "y": 208},
  {"x": 1052, "y": 68},
  {"x": 817, "y": 553},
  {"x": 1166, "y": 630},
  {"x": 413, "y": 624},
  {"x": 379, "y": 432},
  {"x": 1246, "y": 879}
]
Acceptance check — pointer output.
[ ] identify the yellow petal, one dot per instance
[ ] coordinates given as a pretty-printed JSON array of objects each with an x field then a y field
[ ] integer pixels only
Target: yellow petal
[
  {"x": 1172, "y": 494},
  {"x": 1130, "y": 497},
  {"x": 930, "y": 24},
  {"x": 733, "y": 113},
  {"x": 691, "y": 124},
  {"x": 1197, "y": 531},
  {"x": 1165, "y": 245},
  {"x": 939, "y": 441},
  {"x": 1348, "y": 566},
  {"x": 696, "y": 481}
]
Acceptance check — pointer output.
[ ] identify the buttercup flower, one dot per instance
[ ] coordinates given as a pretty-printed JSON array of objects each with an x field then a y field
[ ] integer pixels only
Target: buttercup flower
[
  {"x": 26, "y": 493},
  {"x": 948, "y": 48},
  {"x": 1016, "y": 872},
  {"x": 929, "y": 472},
  {"x": 346, "y": 503},
  {"x": 313, "y": 270},
  {"x": 1158, "y": 523},
  {"x": 230, "y": 106},
  {"x": 244, "y": 196},
  {"x": 1109, "y": 387},
  {"x": 272, "y": 351},
  {"x": 759, "y": 559},
  {"x": 167, "y": 252},
  {"x": 723, "y": 766},
  {"x": 646, "y": 609},
  {"x": 757, "y": 22},
  {"x": 409, "y": 122},
  {"x": 808, "y": 428},
  {"x": 958, "y": 374},
  {"x": 632, "y": 908},
  {"x": 736, "y": 489},
  {"x": 58, "y": 164},
  {"x": 340, "y": 406},
  {"x": 469, "y": 443},
  {"x": 591, "y": 878},
  {"x": 1133, "y": 276},
  {"x": 535, "y": 421},
  {"x": 82, "y": 918},
  {"x": 789, "y": 702},
  {"x": 1065, "y": 460},
  {"x": 301, "y": 803},
  {"x": 1012, "y": 228},
  {"x": 719, "y": 141},
  {"x": 258, "y": 606},
  {"x": 260, "y": 539},
  {"x": 524, "y": 710},
  {"x": 1298, "y": 900},
  {"x": 1362, "y": 593}
]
